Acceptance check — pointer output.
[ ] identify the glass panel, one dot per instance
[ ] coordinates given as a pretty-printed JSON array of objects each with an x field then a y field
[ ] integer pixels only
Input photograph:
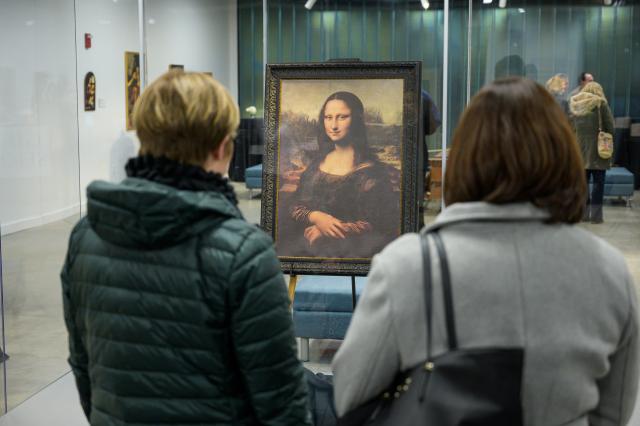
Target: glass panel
[
  {"x": 63, "y": 125},
  {"x": 202, "y": 36},
  {"x": 3, "y": 357},
  {"x": 39, "y": 189},
  {"x": 541, "y": 40},
  {"x": 366, "y": 30},
  {"x": 568, "y": 38}
]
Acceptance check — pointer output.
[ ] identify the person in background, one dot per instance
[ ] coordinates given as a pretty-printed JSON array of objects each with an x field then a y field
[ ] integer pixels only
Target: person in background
[
  {"x": 590, "y": 113},
  {"x": 557, "y": 86},
  {"x": 583, "y": 79},
  {"x": 522, "y": 274},
  {"x": 431, "y": 121},
  {"x": 176, "y": 307}
]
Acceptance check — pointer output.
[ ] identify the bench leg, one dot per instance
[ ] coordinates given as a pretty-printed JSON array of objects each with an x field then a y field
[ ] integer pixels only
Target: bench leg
[
  {"x": 250, "y": 193},
  {"x": 303, "y": 349}
]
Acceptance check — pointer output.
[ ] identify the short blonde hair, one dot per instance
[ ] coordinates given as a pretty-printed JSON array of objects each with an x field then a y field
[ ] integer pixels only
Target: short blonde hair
[
  {"x": 184, "y": 116},
  {"x": 555, "y": 84},
  {"x": 595, "y": 89}
]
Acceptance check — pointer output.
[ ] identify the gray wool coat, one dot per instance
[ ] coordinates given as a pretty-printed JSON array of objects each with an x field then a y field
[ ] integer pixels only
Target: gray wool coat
[
  {"x": 561, "y": 293},
  {"x": 587, "y": 129}
]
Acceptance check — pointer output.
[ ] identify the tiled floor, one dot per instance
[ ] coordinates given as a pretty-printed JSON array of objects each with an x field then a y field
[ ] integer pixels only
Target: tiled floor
[{"x": 34, "y": 329}]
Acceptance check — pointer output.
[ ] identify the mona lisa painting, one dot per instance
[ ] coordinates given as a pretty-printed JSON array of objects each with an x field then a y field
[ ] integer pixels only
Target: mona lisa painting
[{"x": 340, "y": 166}]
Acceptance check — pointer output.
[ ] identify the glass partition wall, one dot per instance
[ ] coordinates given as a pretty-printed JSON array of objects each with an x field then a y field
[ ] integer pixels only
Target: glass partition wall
[
  {"x": 543, "y": 39},
  {"x": 62, "y": 125},
  {"x": 70, "y": 73},
  {"x": 484, "y": 40},
  {"x": 39, "y": 186},
  {"x": 52, "y": 144}
]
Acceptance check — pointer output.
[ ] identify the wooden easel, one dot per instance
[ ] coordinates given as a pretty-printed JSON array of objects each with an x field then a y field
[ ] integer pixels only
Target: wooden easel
[{"x": 293, "y": 282}]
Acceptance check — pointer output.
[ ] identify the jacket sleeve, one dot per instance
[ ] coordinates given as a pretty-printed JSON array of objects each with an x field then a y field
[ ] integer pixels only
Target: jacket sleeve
[
  {"x": 262, "y": 335},
  {"x": 618, "y": 389},
  {"x": 78, "y": 358},
  {"x": 368, "y": 359}
]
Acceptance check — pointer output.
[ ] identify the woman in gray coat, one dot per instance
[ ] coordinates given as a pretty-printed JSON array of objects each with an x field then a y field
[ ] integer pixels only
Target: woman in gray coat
[
  {"x": 522, "y": 274},
  {"x": 590, "y": 112}
]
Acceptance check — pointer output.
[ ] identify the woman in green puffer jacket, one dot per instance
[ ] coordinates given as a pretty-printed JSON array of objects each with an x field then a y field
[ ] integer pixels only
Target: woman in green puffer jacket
[
  {"x": 176, "y": 307},
  {"x": 590, "y": 112}
]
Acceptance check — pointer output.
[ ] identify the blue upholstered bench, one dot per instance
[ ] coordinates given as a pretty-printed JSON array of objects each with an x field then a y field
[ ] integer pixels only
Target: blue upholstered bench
[
  {"x": 619, "y": 182},
  {"x": 253, "y": 178},
  {"x": 322, "y": 308}
]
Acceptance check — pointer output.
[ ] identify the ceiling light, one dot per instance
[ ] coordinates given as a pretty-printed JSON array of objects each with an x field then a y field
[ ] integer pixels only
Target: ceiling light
[
  {"x": 502, "y": 3},
  {"x": 487, "y": 1},
  {"x": 521, "y": 10},
  {"x": 425, "y": 3},
  {"x": 309, "y": 4}
]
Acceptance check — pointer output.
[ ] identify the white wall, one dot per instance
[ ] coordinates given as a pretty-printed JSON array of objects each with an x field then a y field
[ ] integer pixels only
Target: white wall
[
  {"x": 202, "y": 35},
  {"x": 105, "y": 144},
  {"x": 50, "y": 148},
  {"x": 38, "y": 125}
]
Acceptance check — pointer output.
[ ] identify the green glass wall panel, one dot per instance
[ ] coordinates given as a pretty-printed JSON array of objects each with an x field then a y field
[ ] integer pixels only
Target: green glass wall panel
[
  {"x": 540, "y": 40},
  {"x": 370, "y": 30},
  {"x": 561, "y": 38}
]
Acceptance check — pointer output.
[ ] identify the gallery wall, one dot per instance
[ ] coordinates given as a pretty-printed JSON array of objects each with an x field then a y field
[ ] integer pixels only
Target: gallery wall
[
  {"x": 105, "y": 144},
  {"x": 50, "y": 147},
  {"x": 199, "y": 34}
]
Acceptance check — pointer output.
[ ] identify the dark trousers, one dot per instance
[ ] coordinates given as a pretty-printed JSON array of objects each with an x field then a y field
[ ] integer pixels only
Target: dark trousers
[{"x": 595, "y": 196}]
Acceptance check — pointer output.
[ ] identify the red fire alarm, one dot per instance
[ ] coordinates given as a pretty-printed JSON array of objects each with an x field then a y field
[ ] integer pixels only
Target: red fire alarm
[{"x": 87, "y": 41}]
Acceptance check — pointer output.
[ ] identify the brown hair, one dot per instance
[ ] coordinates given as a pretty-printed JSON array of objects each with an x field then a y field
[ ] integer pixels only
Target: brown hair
[
  {"x": 514, "y": 144},
  {"x": 184, "y": 116}
]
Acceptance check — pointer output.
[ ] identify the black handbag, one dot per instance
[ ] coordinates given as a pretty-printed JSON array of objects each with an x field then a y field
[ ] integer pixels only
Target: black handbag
[{"x": 462, "y": 387}]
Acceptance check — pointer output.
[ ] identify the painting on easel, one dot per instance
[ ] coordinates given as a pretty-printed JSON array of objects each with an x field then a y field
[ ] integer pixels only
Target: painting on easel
[
  {"x": 340, "y": 164},
  {"x": 132, "y": 84}
]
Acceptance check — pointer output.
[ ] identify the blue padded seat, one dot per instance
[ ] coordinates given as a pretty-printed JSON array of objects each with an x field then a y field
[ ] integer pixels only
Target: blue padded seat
[
  {"x": 253, "y": 177},
  {"x": 322, "y": 306},
  {"x": 618, "y": 175},
  {"x": 618, "y": 182}
]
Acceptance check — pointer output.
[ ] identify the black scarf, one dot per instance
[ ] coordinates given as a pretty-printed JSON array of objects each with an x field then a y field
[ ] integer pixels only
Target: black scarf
[{"x": 180, "y": 176}]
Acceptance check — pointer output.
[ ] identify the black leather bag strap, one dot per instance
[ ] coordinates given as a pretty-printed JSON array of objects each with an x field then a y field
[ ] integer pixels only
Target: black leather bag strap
[
  {"x": 599, "y": 119},
  {"x": 426, "y": 280},
  {"x": 447, "y": 293}
]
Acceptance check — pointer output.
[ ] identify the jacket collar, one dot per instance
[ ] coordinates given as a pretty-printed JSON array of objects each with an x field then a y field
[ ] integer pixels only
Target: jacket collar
[
  {"x": 142, "y": 213},
  {"x": 487, "y": 212}
]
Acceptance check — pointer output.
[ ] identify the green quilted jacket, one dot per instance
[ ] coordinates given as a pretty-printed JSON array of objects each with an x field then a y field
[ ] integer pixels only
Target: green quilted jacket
[{"x": 177, "y": 312}]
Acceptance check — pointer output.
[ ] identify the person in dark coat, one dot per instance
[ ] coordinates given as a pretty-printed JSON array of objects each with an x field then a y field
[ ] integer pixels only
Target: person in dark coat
[
  {"x": 176, "y": 307},
  {"x": 431, "y": 121},
  {"x": 583, "y": 80},
  {"x": 590, "y": 113}
]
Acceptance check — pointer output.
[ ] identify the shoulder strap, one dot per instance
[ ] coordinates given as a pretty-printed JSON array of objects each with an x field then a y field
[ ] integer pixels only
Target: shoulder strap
[
  {"x": 450, "y": 323},
  {"x": 447, "y": 293},
  {"x": 426, "y": 281},
  {"x": 599, "y": 119}
]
